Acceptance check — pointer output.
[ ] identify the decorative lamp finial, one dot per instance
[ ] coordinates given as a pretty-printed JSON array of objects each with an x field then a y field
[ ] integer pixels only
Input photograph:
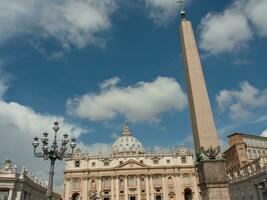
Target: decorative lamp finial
[{"x": 181, "y": 9}]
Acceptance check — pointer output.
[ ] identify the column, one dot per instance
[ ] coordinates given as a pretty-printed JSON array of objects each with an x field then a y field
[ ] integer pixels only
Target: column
[
  {"x": 126, "y": 187},
  {"x": 99, "y": 188},
  {"x": 85, "y": 188},
  {"x": 260, "y": 191},
  {"x": 117, "y": 188},
  {"x": 178, "y": 192},
  {"x": 19, "y": 195},
  {"x": 10, "y": 194},
  {"x": 112, "y": 188},
  {"x": 147, "y": 188},
  {"x": 67, "y": 190},
  {"x": 164, "y": 187},
  {"x": 152, "y": 188},
  {"x": 138, "y": 188},
  {"x": 195, "y": 187}
]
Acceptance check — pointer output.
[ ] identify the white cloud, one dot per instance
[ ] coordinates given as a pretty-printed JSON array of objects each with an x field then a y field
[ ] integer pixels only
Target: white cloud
[
  {"x": 256, "y": 13},
  {"x": 18, "y": 125},
  {"x": 71, "y": 22},
  {"x": 96, "y": 148},
  {"x": 224, "y": 31},
  {"x": 264, "y": 133},
  {"x": 162, "y": 11},
  {"x": 240, "y": 103},
  {"x": 144, "y": 101},
  {"x": 232, "y": 28},
  {"x": 110, "y": 83}
]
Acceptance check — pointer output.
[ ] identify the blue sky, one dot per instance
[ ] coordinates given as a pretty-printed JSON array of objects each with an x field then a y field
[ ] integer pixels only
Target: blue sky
[{"x": 92, "y": 65}]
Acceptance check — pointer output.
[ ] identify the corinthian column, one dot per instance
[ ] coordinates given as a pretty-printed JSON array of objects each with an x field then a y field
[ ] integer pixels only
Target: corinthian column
[
  {"x": 126, "y": 187},
  {"x": 138, "y": 188},
  {"x": 117, "y": 188},
  {"x": 147, "y": 187},
  {"x": 112, "y": 188}
]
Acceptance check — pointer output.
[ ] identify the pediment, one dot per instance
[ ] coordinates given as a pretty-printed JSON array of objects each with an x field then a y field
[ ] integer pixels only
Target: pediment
[{"x": 131, "y": 164}]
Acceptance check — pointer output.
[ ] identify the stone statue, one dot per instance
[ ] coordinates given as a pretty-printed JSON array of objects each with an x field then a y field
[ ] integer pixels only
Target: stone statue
[
  {"x": 249, "y": 170},
  {"x": 241, "y": 172},
  {"x": 7, "y": 165}
]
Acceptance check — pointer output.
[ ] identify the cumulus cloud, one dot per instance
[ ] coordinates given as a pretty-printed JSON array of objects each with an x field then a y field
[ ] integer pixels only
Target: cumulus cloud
[
  {"x": 232, "y": 28},
  {"x": 96, "y": 148},
  {"x": 71, "y": 22},
  {"x": 264, "y": 133},
  {"x": 144, "y": 101},
  {"x": 110, "y": 83},
  {"x": 256, "y": 13},
  {"x": 18, "y": 125},
  {"x": 162, "y": 11},
  {"x": 240, "y": 103}
]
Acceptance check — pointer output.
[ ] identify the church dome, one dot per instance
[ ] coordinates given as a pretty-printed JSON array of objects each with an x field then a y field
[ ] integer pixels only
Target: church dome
[{"x": 126, "y": 143}]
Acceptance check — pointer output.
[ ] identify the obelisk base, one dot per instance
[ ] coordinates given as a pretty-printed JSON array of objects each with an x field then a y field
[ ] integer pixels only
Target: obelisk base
[{"x": 213, "y": 183}]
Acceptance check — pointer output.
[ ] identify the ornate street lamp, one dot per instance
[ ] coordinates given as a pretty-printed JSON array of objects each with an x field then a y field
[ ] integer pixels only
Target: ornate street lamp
[{"x": 54, "y": 153}]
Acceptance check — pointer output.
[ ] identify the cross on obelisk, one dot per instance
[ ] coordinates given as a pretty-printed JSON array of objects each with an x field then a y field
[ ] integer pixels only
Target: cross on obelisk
[{"x": 210, "y": 164}]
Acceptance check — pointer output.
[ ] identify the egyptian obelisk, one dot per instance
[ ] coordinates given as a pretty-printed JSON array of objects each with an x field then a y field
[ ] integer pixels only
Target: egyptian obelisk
[{"x": 210, "y": 164}]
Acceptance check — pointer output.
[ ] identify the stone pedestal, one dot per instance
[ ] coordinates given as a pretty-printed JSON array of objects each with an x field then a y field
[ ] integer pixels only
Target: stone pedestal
[{"x": 212, "y": 180}]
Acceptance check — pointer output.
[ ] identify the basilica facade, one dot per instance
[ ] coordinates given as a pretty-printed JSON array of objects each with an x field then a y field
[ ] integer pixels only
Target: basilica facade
[{"x": 130, "y": 172}]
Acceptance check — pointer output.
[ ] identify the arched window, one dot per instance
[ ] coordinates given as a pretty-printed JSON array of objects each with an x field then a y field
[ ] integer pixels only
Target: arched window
[
  {"x": 106, "y": 182},
  {"x": 132, "y": 181},
  {"x": 76, "y": 183},
  {"x": 170, "y": 181},
  {"x": 186, "y": 179},
  {"x": 157, "y": 180},
  {"x": 93, "y": 185}
]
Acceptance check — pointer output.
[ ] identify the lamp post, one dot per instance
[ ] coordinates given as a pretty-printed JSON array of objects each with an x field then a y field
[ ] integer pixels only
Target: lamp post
[{"x": 54, "y": 153}]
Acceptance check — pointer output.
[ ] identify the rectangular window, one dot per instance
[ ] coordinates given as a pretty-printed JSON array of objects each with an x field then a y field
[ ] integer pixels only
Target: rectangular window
[
  {"x": 121, "y": 183},
  {"x": 168, "y": 161},
  {"x": 93, "y": 164},
  {"x": 106, "y": 163},
  {"x": 77, "y": 163},
  {"x": 183, "y": 159},
  {"x": 156, "y": 162},
  {"x": 142, "y": 180}
]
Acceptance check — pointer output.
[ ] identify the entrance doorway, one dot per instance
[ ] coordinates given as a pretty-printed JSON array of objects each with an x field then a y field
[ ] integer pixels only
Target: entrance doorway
[
  {"x": 75, "y": 196},
  {"x": 158, "y": 197},
  {"x": 132, "y": 198},
  {"x": 106, "y": 198},
  {"x": 188, "y": 194}
]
